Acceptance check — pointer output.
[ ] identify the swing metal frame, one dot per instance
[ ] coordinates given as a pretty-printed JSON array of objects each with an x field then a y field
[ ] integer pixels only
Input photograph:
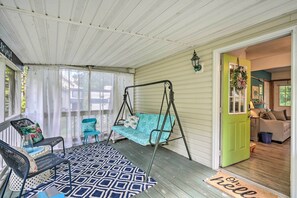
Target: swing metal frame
[{"x": 170, "y": 103}]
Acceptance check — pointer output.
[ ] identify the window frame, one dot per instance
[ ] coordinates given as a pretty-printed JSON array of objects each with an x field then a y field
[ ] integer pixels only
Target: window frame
[
  {"x": 286, "y": 94},
  {"x": 4, "y": 62}
]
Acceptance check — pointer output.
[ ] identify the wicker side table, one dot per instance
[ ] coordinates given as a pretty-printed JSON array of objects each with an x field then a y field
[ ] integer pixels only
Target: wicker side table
[{"x": 15, "y": 182}]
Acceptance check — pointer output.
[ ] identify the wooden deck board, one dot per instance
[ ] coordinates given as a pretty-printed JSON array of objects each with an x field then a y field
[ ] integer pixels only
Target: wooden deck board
[{"x": 184, "y": 175}]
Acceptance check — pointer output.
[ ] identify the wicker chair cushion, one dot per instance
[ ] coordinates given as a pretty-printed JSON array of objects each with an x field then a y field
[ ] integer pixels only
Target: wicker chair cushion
[
  {"x": 33, "y": 165},
  {"x": 35, "y": 131}
]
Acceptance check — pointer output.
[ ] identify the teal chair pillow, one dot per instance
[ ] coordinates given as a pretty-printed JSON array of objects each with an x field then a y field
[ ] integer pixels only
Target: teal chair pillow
[
  {"x": 88, "y": 126},
  {"x": 35, "y": 132}
]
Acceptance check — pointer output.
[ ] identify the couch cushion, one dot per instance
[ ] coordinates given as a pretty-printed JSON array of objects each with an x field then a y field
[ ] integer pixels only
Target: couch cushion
[
  {"x": 279, "y": 115},
  {"x": 271, "y": 115}
]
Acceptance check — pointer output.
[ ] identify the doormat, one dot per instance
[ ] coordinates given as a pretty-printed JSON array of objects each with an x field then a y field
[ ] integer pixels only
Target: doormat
[{"x": 237, "y": 188}]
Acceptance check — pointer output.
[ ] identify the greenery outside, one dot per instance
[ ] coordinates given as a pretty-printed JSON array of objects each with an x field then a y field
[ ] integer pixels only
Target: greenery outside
[{"x": 285, "y": 95}]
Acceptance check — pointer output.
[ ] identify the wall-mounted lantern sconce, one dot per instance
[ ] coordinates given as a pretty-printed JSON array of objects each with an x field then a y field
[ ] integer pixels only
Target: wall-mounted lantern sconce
[{"x": 195, "y": 62}]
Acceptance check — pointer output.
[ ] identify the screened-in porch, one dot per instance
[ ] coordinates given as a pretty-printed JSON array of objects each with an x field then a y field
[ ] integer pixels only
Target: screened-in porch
[{"x": 121, "y": 98}]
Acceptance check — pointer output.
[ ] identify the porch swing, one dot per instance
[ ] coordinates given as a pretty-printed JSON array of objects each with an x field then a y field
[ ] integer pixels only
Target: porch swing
[{"x": 152, "y": 129}]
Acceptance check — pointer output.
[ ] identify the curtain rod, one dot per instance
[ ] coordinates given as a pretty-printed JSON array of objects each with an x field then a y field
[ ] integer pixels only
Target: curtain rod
[{"x": 92, "y": 67}]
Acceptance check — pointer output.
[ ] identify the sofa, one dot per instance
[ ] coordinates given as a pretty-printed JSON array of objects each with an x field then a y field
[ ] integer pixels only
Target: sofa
[{"x": 280, "y": 127}]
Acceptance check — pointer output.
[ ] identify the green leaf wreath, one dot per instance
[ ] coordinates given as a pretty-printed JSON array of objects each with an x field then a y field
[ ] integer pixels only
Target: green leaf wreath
[{"x": 239, "y": 78}]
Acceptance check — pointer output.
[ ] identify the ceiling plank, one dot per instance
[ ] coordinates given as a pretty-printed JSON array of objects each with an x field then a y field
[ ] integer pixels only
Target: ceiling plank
[
  {"x": 11, "y": 38},
  {"x": 43, "y": 16},
  {"x": 238, "y": 21}
]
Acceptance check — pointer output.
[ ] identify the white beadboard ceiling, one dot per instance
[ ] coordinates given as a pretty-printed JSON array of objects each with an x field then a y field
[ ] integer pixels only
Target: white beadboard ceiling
[{"x": 123, "y": 33}]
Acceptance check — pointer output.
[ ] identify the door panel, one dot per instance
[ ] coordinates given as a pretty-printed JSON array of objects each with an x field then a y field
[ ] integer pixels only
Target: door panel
[{"x": 235, "y": 113}]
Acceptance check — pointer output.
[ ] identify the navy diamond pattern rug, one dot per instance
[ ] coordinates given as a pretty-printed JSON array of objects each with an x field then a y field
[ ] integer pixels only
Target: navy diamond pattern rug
[{"x": 98, "y": 171}]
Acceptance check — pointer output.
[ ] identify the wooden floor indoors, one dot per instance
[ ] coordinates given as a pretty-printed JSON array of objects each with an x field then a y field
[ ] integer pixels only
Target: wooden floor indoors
[{"x": 269, "y": 165}]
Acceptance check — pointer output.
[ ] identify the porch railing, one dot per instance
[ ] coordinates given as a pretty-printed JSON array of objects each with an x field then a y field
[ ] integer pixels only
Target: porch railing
[
  {"x": 9, "y": 135},
  {"x": 104, "y": 121}
]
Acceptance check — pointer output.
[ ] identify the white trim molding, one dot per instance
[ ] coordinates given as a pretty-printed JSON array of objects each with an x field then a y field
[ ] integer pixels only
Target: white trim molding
[
  {"x": 294, "y": 115},
  {"x": 216, "y": 122}
]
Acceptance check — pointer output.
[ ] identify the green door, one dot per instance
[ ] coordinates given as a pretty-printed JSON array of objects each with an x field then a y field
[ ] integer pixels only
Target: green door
[{"x": 235, "y": 131}]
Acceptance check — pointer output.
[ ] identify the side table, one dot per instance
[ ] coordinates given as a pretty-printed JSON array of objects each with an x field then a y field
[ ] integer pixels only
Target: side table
[
  {"x": 15, "y": 182},
  {"x": 255, "y": 128}
]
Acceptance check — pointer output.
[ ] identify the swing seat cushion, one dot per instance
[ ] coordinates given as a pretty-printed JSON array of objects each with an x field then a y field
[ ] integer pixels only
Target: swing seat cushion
[{"x": 146, "y": 124}]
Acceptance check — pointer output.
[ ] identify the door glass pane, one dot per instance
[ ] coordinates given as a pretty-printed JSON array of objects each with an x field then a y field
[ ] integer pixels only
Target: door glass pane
[{"x": 237, "y": 98}]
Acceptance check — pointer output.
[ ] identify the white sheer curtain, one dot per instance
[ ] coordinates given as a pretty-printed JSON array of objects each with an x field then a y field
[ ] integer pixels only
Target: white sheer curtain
[
  {"x": 43, "y": 98},
  {"x": 121, "y": 81},
  {"x": 59, "y": 98}
]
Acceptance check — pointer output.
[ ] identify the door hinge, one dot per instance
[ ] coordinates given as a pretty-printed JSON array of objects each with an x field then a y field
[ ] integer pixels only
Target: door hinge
[
  {"x": 221, "y": 67},
  {"x": 220, "y": 109}
]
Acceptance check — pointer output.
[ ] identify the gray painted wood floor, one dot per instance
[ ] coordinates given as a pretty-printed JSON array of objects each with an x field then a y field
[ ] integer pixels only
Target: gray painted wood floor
[{"x": 176, "y": 175}]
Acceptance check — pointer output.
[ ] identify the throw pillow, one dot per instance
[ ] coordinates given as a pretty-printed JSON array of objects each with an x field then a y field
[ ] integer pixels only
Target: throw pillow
[
  {"x": 33, "y": 166},
  {"x": 271, "y": 115},
  {"x": 279, "y": 115},
  {"x": 131, "y": 121},
  {"x": 264, "y": 115},
  {"x": 88, "y": 126},
  {"x": 35, "y": 131}
]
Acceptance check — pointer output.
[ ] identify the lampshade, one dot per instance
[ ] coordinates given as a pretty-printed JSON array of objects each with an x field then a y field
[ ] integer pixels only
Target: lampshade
[{"x": 252, "y": 105}]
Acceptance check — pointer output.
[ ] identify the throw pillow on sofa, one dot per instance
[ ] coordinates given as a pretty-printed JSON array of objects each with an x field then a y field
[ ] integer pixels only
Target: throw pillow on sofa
[
  {"x": 264, "y": 115},
  {"x": 279, "y": 115},
  {"x": 271, "y": 115}
]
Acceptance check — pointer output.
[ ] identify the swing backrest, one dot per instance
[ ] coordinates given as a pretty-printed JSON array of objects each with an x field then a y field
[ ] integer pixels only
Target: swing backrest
[{"x": 149, "y": 122}]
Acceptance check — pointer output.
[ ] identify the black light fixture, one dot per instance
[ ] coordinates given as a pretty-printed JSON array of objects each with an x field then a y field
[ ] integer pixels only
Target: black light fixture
[{"x": 195, "y": 62}]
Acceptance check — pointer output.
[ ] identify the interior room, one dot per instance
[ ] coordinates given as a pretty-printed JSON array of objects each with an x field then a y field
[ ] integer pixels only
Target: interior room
[
  {"x": 131, "y": 98},
  {"x": 270, "y": 78}
]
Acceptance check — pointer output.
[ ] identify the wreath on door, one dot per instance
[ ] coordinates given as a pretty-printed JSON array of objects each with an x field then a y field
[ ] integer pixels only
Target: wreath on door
[{"x": 239, "y": 79}]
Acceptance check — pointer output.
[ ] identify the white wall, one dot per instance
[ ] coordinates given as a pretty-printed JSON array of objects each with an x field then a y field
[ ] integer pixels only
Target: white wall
[
  {"x": 280, "y": 60},
  {"x": 281, "y": 75}
]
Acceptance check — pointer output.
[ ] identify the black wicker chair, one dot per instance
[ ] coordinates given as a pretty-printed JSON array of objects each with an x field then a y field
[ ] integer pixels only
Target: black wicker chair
[
  {"x": 53, "y": 141},
  {"x": 19, "y": 164}
]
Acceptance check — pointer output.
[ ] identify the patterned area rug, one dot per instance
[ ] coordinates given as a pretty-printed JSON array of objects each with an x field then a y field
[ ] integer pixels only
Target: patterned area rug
[{"x": 99, "y": 171}]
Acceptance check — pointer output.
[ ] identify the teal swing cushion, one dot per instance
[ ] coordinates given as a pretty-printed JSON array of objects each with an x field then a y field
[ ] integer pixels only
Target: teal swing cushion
[{"x": 146, "y": 123}]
